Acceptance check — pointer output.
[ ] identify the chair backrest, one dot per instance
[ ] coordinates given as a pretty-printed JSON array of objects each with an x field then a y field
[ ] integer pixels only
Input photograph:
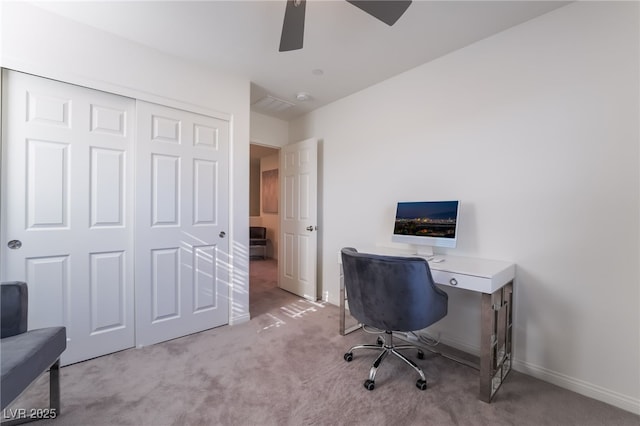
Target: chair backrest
[
  {"x": 392, "y": 293},
  {"x": 257, "y": 232},
  {"x": 13, "y": 308}
]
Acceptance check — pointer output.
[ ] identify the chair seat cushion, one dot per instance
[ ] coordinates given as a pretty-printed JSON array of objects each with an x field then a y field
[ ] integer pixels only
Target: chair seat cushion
[
  {"x": 257, "y": 242},
  {"x": 26, "y": 356}
]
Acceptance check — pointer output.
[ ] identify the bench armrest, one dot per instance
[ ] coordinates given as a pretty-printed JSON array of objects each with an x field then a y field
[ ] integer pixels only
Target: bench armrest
[{"x": 13, "y": 308}]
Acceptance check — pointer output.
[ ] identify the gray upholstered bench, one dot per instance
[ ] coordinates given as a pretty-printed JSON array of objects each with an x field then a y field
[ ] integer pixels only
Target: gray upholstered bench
[{"x": 25, "y": 355}]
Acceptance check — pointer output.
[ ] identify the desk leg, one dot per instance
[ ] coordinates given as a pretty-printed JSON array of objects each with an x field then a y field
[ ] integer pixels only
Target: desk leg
[
  {"x": 342, "y": 303},
  {"x": 343, "y": 309},
  {"x": 495, "y": 340}
]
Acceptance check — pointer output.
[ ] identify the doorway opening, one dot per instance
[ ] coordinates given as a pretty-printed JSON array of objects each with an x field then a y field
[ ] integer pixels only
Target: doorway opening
[{"x": 264, "y": 206}]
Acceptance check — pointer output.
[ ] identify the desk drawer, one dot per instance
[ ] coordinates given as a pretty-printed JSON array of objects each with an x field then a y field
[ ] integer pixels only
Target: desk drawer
[{"x": 467, "y": 282}]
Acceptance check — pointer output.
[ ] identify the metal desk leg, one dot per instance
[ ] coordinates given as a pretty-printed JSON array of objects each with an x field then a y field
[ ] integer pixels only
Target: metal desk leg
[
  {"x": 343, "y": 309},
  {"x": 342, "y": 303},
  {"x": 495, "y": 340}
]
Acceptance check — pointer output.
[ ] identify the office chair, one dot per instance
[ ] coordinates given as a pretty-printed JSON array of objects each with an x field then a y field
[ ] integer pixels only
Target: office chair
[{"x": 391, "y": 294}]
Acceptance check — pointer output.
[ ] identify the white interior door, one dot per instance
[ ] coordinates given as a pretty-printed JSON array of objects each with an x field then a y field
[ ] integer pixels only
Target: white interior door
[
  {"x": 67, "y": 210},
  {"x": 182, "y": 204},
  {"x": 298, "y": 227}
]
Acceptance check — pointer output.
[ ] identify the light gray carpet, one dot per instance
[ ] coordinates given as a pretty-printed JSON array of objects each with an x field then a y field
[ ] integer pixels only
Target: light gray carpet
[{"x": 285, "y": 367}]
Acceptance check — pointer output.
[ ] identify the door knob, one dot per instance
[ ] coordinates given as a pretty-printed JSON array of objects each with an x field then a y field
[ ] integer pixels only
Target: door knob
[
  {"x": 14, "y": 244},
  {"x": 311, "y": 228},
  {"x": 222, "y": 234}
]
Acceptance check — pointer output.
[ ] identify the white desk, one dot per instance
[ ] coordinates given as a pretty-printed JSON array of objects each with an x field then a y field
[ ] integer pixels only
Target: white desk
[{"x": 494, "y": 280}]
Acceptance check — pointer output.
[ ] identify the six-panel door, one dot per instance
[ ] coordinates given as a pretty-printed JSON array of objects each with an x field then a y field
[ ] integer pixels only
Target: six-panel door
[
  {"x": 182, "y": 272},
  {"x": 298, "y": 229},
  {"x": 68, "y": 198}
]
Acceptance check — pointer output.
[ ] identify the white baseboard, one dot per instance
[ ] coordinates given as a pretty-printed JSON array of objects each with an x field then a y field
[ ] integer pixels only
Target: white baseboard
[
  {"x": 590, "y": 390},
  {"x": 459, "y": 344},
  {"x": 239, "y": 319}
]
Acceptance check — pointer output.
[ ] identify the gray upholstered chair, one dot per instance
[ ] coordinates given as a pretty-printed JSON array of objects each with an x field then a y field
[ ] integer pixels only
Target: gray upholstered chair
[
  {"x": 391, "y": 294},
  {"x": 258, "y": 241},
  {"x": 26, "y": 354}
]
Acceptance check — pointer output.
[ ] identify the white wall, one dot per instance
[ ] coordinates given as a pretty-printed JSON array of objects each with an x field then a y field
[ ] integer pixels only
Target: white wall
[
  {"x": 41, "y": 43},
  {"x": 269, "y": 131},
  {"x": 536, "y": 131}
]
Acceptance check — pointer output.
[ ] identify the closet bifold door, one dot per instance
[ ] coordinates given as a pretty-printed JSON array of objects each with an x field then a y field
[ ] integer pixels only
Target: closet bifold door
[
  {"x": 67, "y": 218},
  {"x": 69, "y": 176},
  {"x": 182, "y": 223}
]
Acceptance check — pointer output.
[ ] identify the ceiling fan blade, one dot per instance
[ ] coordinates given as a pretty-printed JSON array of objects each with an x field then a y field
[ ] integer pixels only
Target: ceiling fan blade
[
  {"x": 293, "y": 26},
  {"x": 388, "y": 11}
]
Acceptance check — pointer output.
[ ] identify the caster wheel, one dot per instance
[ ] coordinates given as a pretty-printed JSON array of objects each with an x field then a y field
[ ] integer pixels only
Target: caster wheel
[
  {"x": 380, "y": 341},
  {"x": 370, "y": 385},
  {"x": 421, "y": 384},
  {"x": 348, "y": 357},
  {"x": 420, "y": 354}
]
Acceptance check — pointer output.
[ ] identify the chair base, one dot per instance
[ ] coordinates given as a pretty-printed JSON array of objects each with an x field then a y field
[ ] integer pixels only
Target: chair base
[{"x": 386, "y": 349}]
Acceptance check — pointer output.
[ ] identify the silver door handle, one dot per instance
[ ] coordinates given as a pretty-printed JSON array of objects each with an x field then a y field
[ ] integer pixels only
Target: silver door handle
[
  {"x": 14, "y": 244},
  {"x": 222, "y": 234}
]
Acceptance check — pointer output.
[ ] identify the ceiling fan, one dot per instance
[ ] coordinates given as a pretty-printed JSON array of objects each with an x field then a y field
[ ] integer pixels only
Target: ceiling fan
[{"x": 388, "y": 11}]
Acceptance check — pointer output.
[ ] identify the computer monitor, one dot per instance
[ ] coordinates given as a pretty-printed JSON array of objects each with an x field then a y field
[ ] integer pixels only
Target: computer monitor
[{"x": 427, "y": 224}]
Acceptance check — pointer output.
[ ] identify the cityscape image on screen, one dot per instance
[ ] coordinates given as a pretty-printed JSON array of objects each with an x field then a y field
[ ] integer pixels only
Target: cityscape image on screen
[{"x": 435, "y": 219}]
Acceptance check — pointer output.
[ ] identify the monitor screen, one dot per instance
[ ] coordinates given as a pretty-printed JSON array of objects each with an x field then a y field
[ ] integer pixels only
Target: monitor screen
[{"x": 427, "y": 223}]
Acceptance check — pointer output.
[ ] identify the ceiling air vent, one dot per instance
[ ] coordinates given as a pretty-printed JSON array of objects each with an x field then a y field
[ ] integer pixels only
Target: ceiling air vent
[{"x": 271, "y": 104}]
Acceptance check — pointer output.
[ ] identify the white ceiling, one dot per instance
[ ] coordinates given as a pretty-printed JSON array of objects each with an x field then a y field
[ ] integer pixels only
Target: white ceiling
[{"x": 353, "y": 49}]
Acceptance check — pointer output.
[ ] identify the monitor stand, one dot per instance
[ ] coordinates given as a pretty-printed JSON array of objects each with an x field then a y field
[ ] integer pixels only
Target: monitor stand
[{"x": 425, "y": 251}]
